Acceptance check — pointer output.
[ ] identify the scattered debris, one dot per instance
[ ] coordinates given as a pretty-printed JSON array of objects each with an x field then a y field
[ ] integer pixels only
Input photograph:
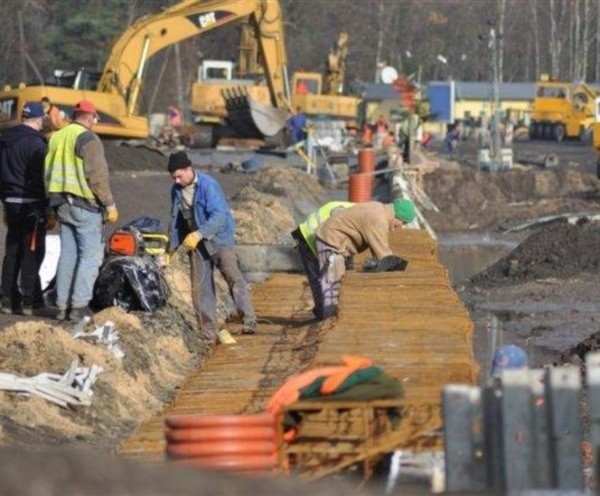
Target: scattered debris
[
  {"x": 74, "y": 387},
  {"x": 104, "y": 334}
]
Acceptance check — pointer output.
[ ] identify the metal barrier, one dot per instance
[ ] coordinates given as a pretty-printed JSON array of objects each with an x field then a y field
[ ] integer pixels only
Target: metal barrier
[{"x": 523, "y": 431}]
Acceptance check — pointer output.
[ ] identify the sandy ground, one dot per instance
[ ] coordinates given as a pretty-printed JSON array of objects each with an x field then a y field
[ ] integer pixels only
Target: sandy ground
[{"x": 549, "y": 312}]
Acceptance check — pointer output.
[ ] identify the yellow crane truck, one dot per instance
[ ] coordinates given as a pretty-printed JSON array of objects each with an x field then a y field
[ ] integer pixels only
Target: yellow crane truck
[
  {"x": 116, "y": 91},
  {"x": 561, "y": 110}
]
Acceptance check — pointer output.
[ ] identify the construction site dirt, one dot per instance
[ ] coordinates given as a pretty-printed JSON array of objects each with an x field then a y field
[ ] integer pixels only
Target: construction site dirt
[{"x": 540, "y": 293}]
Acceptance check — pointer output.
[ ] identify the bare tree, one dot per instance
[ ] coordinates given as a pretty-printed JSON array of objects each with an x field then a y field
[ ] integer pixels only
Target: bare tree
[
  {"x": 576, "y": 41},
  {"x": 536, "y": 38},
  {"x": 501, "y": 21},
  {"x": 555, "y": 42},
  {"x": 380, "y": 39},
  {"x": 597, "y": 72},
  {"x": 586, "y": 39}
]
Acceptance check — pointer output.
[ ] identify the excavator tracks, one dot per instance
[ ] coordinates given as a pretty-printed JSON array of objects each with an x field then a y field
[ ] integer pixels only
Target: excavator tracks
[{"x": 411, "y": 324}]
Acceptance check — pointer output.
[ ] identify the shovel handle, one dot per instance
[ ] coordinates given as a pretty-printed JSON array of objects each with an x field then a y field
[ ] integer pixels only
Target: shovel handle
[{"x": 195, "y": 286}]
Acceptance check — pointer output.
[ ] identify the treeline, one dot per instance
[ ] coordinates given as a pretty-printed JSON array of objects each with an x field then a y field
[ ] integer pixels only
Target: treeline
[{"x": 432, "y": 39}]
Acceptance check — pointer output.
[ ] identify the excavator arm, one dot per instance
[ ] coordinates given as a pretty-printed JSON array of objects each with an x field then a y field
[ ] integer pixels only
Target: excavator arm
[
  {"x": 117, "y": 94},
  {"x": 124, "y": 71}
]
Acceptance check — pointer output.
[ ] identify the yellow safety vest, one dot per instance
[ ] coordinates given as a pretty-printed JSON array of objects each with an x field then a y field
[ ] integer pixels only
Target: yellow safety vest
[
  {"x": 64, "y": 172},
  {"x": 309, "y": 227}
]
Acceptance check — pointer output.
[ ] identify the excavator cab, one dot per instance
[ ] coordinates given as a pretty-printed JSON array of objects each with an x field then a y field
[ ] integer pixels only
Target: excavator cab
[
  {"x": 305, "y": 83},
  {"x": 83, "y": 79}
]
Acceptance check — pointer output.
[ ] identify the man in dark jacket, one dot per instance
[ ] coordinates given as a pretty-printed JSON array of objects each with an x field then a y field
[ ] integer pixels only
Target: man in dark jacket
[
  {"x": 22, "y": 152},
  {"x": 202, "y": 223}
]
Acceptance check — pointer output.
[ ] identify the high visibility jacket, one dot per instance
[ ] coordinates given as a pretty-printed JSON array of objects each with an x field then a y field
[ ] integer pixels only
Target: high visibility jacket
[
  {"x": 309, "y": 227},
  {"x": 64, "y": 170}
]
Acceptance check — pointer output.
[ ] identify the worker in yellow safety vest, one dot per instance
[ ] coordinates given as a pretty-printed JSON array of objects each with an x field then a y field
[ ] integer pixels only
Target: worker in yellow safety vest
[
  {"x": 78, "y": 190},
  {"x": 305, "y": 238}
]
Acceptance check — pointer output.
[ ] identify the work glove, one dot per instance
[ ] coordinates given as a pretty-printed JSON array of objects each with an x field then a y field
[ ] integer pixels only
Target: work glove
[
  {"x": 391, "y": 263},
  {"x": 51, "y": 219},
  {"x": 112, "y": 214},
  {"x": 191, "y": 240}
]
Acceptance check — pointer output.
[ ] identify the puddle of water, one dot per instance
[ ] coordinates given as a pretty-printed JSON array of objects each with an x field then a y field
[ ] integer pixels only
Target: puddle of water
[
  {"x": 464, "y": 256},
  {"x": 467, "y": 255}
]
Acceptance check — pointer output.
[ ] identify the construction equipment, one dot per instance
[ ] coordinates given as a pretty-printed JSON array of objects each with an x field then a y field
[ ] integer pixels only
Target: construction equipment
[
  {"x": 561, "y": 110},
  {"x": 318, "y": 94},
  {"x": 223, "y": 87},
  {"x": 116, "y": 95},
  {"x": 596, "y": 133}
]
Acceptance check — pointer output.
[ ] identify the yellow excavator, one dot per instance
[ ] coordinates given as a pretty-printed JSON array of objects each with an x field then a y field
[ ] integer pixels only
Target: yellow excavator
[
  {"x": 220, "y": 82},
  {"x": 116, "y": 94}
]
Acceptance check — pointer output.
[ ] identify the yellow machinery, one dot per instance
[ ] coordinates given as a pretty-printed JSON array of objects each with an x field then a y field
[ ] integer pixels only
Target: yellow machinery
[
  {"x": 220, "y": 84},
  {"x": 561, "y": 110},
  {"x": 116, "y": 95},
  {"x": 323, "y": 95},
  {"x": 308, "y": 96},
  {"x": 596, "y": 132}
]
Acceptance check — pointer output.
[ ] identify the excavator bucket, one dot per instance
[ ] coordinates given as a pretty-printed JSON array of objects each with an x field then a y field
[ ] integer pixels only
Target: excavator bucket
[{"x": 250, "y": 118}]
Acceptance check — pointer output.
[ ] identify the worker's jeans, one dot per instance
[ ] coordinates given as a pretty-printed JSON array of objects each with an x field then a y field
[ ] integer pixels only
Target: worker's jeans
[
  {"x": 224, "y": 259},
  {"x": 332, "y": 268},
  {"x": 311, "y": 267},
  {"x": 81, "y": 254},
  {"x": 24, "y": 252}
]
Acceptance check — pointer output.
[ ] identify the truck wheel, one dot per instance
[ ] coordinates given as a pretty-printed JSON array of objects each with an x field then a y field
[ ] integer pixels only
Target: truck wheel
[
  {"x": 586, "y": 136},
  {"x": 559, "y": 132},
  {"x": 533, "y": 131},
  {"x": 548, "y": 131}
]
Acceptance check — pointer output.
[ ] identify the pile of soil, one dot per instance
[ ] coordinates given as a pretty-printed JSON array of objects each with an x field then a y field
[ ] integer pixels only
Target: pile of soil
[
  {"x": 132, "y": 158},
  {"x": 556, "y": 250},
  {"x": 471, "y": 200},
  {"x": 576, "y": 354},
  {"x": 127, "y": 390},
  {"x": 275, "y": 200}
]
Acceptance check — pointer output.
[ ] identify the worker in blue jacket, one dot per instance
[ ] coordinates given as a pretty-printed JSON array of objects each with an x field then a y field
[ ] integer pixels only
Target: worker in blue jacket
[{"x": 202, "y": 223}]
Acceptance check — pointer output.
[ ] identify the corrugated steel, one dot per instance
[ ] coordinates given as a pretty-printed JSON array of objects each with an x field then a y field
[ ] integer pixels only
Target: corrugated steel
[{"x": 410, "y": 323}]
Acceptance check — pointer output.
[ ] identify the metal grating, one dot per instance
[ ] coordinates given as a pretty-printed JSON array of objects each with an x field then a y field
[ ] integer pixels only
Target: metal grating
[{"x": 410, "y": 323}]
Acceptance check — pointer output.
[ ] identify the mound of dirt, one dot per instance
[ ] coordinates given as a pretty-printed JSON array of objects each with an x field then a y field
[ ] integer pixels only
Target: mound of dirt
[
  {"x": 300, "y": 192},
  {"x": 557, "y": 250},
  {"x": 576, "y": 354},
  {"x": 126, "y": 391},
  {"x": 131, "y": 158},
  {"x": 474, "y": 200},
  {"x": 274, "y": 201}
]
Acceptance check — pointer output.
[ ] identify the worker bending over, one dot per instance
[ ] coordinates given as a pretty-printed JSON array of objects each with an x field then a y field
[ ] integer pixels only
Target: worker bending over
[
  {"x": 364, "y": 226},
  {"x": 306, "y": 241}
]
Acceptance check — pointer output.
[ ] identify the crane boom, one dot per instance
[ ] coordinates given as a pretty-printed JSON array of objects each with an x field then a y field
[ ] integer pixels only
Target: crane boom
[
  {"x": 124, "y": 70},
  {"x": 117, "y": 94}
]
